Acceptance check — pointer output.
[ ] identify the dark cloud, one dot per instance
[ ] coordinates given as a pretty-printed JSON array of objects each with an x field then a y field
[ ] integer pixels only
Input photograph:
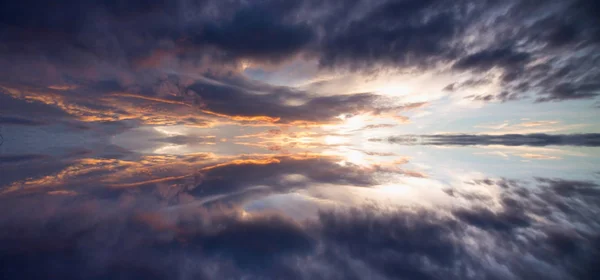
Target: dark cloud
[
  {"x": 487, "y": 59},
  {"x": 565, "y": 91},
  {"x": 257, "y": 243},
  {"x": 393, "y": 245},
  {"x": 569, "y": 188},
  {"x": 560, "y": 35},
  {"x": 257, "y": 32},
  {"x": 590, "y": 139},
  {"x": 72, "y": 247},
  {"x": 507, "y": 220},
  {"x": 398, "y": 33},
  {"x": 564, "y": 203}
]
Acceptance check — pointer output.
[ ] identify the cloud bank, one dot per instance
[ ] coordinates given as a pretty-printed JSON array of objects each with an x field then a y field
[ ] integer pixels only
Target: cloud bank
[
  {"x": 111, "y": 61},
  {"x": 590, "y": 139}
]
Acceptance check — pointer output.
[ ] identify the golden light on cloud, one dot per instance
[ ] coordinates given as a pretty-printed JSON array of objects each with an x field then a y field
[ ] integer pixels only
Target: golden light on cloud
[{"x": 120, "y": 106}]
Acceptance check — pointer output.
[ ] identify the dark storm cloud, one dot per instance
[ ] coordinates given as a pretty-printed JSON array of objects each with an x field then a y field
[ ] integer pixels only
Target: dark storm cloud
[{"x": 591, "y": 139}]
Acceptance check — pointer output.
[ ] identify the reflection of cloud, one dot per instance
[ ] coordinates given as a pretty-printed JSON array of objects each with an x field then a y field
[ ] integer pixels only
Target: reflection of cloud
[
  {"x": 160, "y": 169},
  {"x": 543, "y": 227},
  {"x": 343, "y": 214}
]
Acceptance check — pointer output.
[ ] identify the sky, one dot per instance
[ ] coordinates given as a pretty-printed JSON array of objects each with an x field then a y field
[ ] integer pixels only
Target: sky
[{"x": 300, "y": 139}]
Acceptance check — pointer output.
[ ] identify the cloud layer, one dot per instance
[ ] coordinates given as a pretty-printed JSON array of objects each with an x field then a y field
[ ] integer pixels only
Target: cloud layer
[
  {"x": 592, "y": 139},
  {"x": 87, "y": 56}
]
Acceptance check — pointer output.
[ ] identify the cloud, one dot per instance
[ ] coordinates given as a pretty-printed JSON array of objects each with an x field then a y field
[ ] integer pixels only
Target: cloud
[
  {"x": 157, "y": 51},
  {"x": 396, "y": 33},
  {"x": 207, "y": 215},
  {"x": 590, "y": 139},
  {"x": 487, "y": 59},
  {"x": 257, "y": 32},
  {"x": 539, "y": 57},
  {"x": 200, "y": 174},
  {"x": 568, "y": 90},
  {"x": 275, "y": 102},
  {"x": 375, "y": 126},
  {"x": 185, "y": 226},
  {"x": 506, "y": 220}
]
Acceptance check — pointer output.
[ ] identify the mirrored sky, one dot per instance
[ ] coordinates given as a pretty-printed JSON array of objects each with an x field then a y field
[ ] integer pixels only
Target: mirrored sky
[{"x": 300, "y": 139}]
